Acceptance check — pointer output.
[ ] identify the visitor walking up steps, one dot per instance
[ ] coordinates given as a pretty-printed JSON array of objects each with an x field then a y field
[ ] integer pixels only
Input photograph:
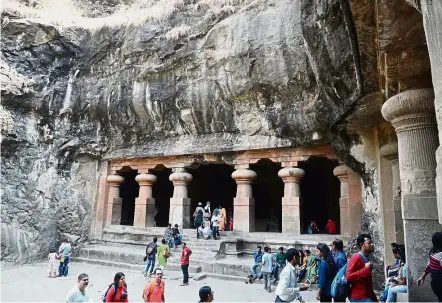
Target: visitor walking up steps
[
  {"x": 163, "y": 254},
  {"x": 185, "y": 260},
  {"x": 154, "y": 290},
  {"x": 151, "y": 251},
  {"x": 287, "y": 289}
]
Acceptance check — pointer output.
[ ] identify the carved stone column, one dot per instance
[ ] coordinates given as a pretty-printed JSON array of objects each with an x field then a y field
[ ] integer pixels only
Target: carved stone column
[
  {"x": 390, "y": 152},
  {"x": 114, "y": 202},
  {"x": 341, "y": 172},
  {"x": 244, "y": 203},
  {"x": 180, "y": 203},
  {"x": 412, "y": 115},
  {"x": 291, "y": 176},
  {"x": 144, "y": 204}
]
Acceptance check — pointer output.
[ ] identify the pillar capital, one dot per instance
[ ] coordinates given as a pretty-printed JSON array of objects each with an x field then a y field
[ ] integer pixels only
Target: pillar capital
[
  {"x": 411, "y": 109},
  {"x": 146, "y": 179},
  {"x": 244, "y": 176},
  {"x": 390, "y": 152},
  {"x": 114, "y": 180},
  {"x": 341, "y": 171},
  {"x": 180, "y": 178},
  {"x": 291, "y": 174}
]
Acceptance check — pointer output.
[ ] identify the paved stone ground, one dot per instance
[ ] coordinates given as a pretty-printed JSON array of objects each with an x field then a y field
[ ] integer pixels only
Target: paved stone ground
[{"x": 29, "y": 283}]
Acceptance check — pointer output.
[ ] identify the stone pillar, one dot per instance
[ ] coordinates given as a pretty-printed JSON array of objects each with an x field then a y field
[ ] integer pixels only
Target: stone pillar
[
  {"x": 291, "y": 222},
  {"x": 144, "y": 204},
  {"x": 390, "y": 152},
  {"x": 180, "y": 203},
  {"x": 412, "y": 115},
  {"x": 244, "y": 204},
  {"x": 341, "y": 172},
  {"x": 114, "y": 202}
]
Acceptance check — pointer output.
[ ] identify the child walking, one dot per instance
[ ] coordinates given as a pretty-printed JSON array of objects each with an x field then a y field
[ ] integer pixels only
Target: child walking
[{"x": 53, "y": 264}]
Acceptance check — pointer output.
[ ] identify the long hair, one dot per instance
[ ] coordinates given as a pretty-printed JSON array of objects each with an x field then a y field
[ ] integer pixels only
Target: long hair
[
  {"x": 326, "y": 255},
  {"x": 117, "y": 278},
  {"x": 437, "y": 243}
]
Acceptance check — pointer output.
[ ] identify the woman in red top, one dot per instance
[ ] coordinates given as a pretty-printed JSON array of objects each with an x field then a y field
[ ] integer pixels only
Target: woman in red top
[
  {"x": 117, "y": 291},
  {"x": 434, "y": 266}
]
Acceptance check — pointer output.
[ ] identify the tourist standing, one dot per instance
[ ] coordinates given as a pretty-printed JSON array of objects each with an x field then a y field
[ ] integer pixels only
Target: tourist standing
[
  {"x": 185, "y": 260},
  {"x": 207, "y": 230},
  {"x": 65, "y": 254},
  {"x": 312, "y": 267},
  {"x": 302, "y": 265},
  {"x": 327, "y": 272},
  {"x": 117, "y": 292},
  {"x": 154, "y": 290},
  {"x": 198, "y": 222},
  {"x": 331, "y": 227},
  {"x": 287, "y": 289},
  {"x": 216, "y": 218},
  {"x": 79, "y": 292},
  {"x": 434, "y": 266},
  {"x": 162, "y": 254},
  {"x": 257, "y": 257},
  {"x": 280, "y": 263},
  {"x": 338, "y": 254},
  {"x": 223, "y": 216},
  {"x": 52, "y": 263},
  {"x": 359, "y": 271},
  {"x": 266, "y": 268},
  {"x": 168, "y": 235},
  {"x": 206, "y": 294},
  {"x": 151, "y": 251}
]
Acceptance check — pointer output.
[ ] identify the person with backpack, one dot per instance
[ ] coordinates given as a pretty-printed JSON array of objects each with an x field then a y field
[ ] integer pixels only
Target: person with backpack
[
  {"x": 327, "y": 271},
  {"x": 151, "y": 251},
  {"x": 198, "y": 221},
  {"x": 117, "y": 291},
  {"x": 338, "y": 254},
  {"x": 163, "y": 254},
  {"x": 359, "y": 270},
  {"x": 154, "y": 290}
]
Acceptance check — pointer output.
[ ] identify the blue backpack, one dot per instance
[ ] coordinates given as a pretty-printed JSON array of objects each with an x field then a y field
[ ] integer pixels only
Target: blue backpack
[{"x": 340, "y": 288}]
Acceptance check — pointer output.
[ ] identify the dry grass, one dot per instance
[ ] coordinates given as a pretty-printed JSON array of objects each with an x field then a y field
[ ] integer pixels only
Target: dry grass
[{"x": 178, "y": 33}]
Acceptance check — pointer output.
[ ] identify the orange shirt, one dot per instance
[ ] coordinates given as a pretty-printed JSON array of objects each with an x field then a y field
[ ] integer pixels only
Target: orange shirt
[{"x": 155, "y": 293}]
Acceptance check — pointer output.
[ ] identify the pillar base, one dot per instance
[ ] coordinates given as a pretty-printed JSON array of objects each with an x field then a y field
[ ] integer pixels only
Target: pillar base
[
  {"x": 179, "y": 212},
  {"x": 144, "y": 212},
  {"x": 114, "y": 211},
  {"x": 290, "y": 216},
  {"x": 244, "y": 214}
]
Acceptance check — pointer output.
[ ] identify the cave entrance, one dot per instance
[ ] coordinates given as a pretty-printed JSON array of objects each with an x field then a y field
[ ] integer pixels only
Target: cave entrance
[
  {"x": 320, "y": 193},
  {"x": 128, "y": 192},
  {"x": 268, "y": 190},
  {"x": 162, "y": 191},
  {"x": 214, "y": 183}
]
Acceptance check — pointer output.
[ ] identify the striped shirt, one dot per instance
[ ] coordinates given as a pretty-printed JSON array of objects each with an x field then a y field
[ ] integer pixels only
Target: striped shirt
[{"x": 434, "y": 266}]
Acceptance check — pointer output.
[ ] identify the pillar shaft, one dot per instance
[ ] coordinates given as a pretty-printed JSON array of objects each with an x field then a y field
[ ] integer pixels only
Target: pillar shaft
[
  {"x": 244, "y": 204},
  {"x": 341, "y": 172},
  {"x": 114, "y": 202},
  {"x": 412, "y": 115},
  {"x": 291, "y": 177},
  {"x": 144, "y": 204},
  {"x": 180, "y": 203}
]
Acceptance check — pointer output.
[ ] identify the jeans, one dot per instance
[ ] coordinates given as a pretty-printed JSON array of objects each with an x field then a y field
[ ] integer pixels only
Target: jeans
[
  {"x": 177, "y": 241},
  {"x": 63, "y": 268},
  {"x": 325, "y": 298},
  {"x": 278, "y": 299},
  {"x": 360, "y": 300},
  {"x": 253, "y": 267},
  {"x": 150, "y": 261},
  {"x": 197, "y": 226},
  {"x": 185, "y": 269},
  {"x": 392, "y": 291},
  {"x": 267, "y": 277},
  {"x": 275, "y": 271},
  {"x": 436, "y": 283},
  {"x": 215, "y": 232}
]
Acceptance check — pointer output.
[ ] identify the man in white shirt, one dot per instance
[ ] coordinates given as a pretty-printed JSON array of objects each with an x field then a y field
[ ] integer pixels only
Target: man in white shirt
[
  {"x": 78, "y": 292},
  {"x": 287, "y": 289}
]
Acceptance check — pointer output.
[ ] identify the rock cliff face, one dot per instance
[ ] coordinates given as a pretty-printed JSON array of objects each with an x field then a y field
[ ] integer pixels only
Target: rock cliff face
[{"x": 175, "y": 77}]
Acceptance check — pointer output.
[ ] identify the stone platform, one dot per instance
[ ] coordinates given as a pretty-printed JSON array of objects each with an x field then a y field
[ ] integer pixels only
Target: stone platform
[{"x": 231, "y": 256}]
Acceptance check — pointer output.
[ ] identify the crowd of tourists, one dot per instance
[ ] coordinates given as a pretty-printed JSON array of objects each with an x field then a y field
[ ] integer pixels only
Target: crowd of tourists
[
  {"x": 337, "y": 278},
  {"x": 208, "y": 224}
]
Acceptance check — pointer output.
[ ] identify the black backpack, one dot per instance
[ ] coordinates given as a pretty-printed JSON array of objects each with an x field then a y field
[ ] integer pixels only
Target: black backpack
[{"x": 199, "y": 219}]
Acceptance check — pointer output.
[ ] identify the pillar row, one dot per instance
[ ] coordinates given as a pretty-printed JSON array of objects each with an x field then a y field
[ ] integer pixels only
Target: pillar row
[
  {"x": 180, "y": 202},
  {"x": 390, "y": 152},
  {"x": 341, "y": 172},
  {"x": 244, "y": 203},
  {"x": 412, "y": 115},
  {"x": 145, "y": 204},
  {"x": 114, "y": 202},
  {"x": 291, "y": 176}
]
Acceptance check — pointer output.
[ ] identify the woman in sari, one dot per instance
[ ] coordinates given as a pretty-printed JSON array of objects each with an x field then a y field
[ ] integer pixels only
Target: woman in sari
[
  {"x": 223, "y": 222},
  {"x": 312, "y": 268}
]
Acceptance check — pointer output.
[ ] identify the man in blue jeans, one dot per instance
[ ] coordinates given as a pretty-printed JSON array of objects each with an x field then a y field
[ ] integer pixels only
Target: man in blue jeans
[
  {"x": 257, "y": 255},
  {"x": 65, "y": 253},
  {"x": 151, "y": 251}
]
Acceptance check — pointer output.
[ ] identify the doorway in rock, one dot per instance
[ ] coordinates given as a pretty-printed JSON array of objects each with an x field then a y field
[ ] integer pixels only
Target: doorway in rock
[
  {"x": 268, "y": 190},
  {"x": 128, "y": 192},
  {"x": 162, "y": 191},
  {"x": 320, "y": 193},
  {"x": 214, "y": 183}
]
